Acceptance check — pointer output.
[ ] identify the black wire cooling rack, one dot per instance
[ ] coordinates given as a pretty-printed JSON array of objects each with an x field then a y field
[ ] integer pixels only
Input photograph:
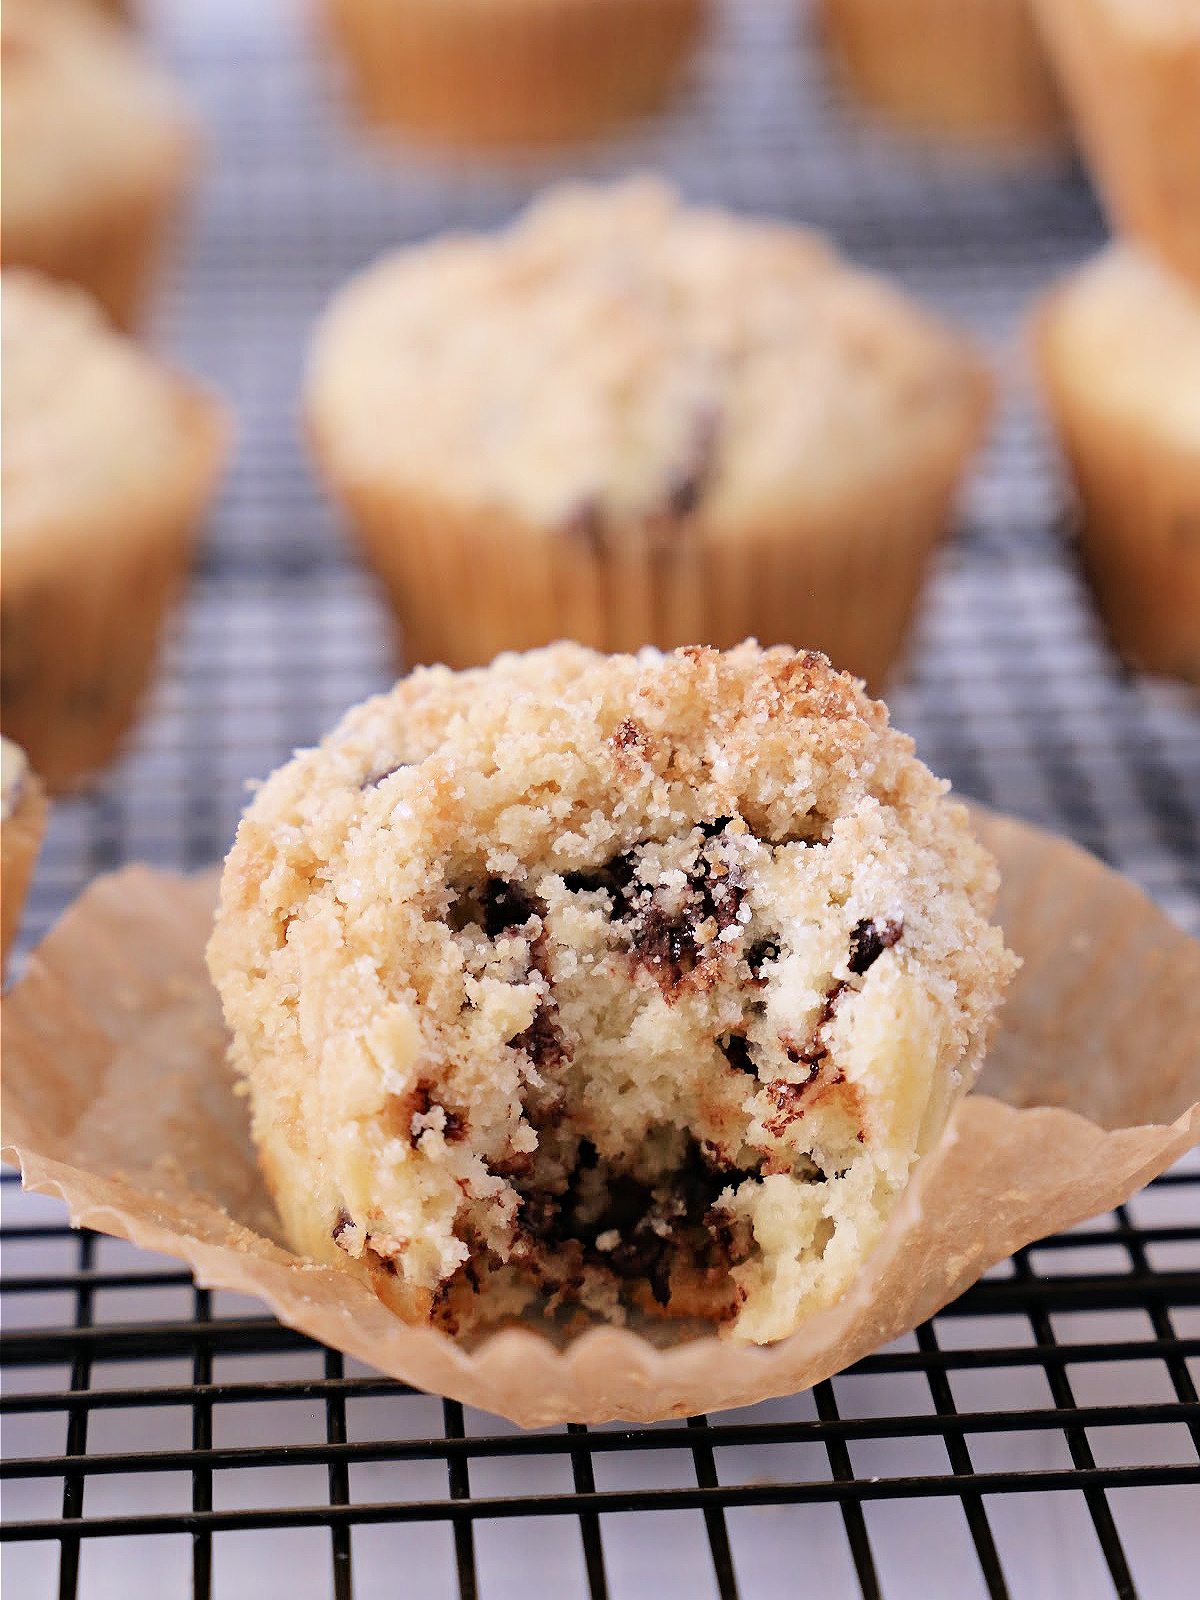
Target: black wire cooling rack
[{"x": 1040, "y": 1437}]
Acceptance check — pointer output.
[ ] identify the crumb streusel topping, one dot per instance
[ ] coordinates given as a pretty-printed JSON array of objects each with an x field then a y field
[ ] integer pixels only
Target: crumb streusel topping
[
  {"x": 616, "y": 357},
  {"x": 94, "y": 430},
  {"x": 606, "y": 983}
]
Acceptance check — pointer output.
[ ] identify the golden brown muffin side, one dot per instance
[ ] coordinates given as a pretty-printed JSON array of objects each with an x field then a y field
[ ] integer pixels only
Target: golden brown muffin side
[
  {"x": 109, "y": 462},
  {"x": 511, "y": 72}
]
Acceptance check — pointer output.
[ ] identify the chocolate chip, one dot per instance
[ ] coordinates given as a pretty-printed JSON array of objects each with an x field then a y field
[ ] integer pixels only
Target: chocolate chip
[
  {"x": 344, "y": 1222},
  {"x": 759, "y": 953},
  {"x": 455, "y": 1126},
  {"x": 376, "y": 778},
  {"x": 787, "y": 1099},
  {"x": 722, "y": 897},
  {"x": 654, "y": 1227},
  {"x": 642, "y": 1255},
  {"x": 542, "y": 1040},
  {"x": 870, "y": 939},
  {"x": 667, "y": 943},
  {"x": 586, "y": 521},
  {"x": 539, "y": 1214},
  {"x": 814, "y": 1048},
  {"x": 504, "y": 907},
  {"x": 378, "y": 1259},
  {"x": 670, "y": 943},
  {"x": 736, "y": 1050},
  {"x": 419, "y": 1103},
  {"x": 686, "y": 490},
  {"x": 732, "y": 1236},
  {"x": 711, "y": 829},
  {"x": 615, "y": 878}
]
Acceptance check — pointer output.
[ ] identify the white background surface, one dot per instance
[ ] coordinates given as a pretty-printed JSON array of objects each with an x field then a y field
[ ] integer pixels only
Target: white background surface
[{"x": 1010, "y": 692}]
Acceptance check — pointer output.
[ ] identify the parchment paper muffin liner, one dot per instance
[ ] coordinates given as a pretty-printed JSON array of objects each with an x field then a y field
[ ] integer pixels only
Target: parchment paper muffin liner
[
  {"x": 511, "y": 72},
  {"x": 115, "y": 254},
  {"x": 970, "y": 69},
  {"x": 116, "y": 1096},
  {"x": 84, "y": 606},
  {"x": 1131, "y": 75},
  {"x": 466, "y": 583}
]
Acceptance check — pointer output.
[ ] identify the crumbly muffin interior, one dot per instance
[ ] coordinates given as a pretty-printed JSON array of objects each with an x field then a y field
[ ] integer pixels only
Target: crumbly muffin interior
[{"x": 640, "y": 991}]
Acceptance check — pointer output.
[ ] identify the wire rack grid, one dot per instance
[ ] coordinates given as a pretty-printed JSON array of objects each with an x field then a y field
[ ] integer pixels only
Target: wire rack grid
[{"x": 1038, "y": 1438}]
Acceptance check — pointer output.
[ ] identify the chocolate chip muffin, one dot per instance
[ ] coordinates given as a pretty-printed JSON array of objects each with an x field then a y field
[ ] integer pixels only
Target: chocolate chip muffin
[
  {"x": 1130, "y": 70},
  {"x": 1119, "y": 350},
  {"x": 97, "y": 152},
  {"x": 973, "y": 70},
  {"x": 590, "y": 985},
  {"x": 626, "y": 422},
  {"x": 511, "y": 72},
  {"x": 22, "y": 823},
  {"x": 109, "y": 463}
]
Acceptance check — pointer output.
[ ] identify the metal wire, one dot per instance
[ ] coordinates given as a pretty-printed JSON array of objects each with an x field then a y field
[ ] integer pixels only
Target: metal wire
[
  {"x": 1032, "y": 1383},
  {"x": 208, "y": 1338}
]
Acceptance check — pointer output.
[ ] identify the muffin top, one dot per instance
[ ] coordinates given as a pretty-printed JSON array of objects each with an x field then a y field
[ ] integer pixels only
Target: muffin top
[
  {"x": 86, "y": 122},
  {"x": 606, "y": 981},
  {"x": 95, "y": 431},
  {"x": 616, "y": 356},
  {"x": 1127, "y": 332}
]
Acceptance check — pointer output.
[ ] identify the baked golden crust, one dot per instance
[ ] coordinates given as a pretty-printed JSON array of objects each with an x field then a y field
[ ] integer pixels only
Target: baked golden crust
[
  {"x": 628, "y": 421},
  {"x": 605, "y": 982}
]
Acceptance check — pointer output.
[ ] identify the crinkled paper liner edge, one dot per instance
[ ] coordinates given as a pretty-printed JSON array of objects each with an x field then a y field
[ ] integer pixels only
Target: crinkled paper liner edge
[{"x": 1000, "y": 1178}]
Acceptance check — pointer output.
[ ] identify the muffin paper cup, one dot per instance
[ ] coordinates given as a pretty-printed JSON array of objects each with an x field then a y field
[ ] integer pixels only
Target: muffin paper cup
[
  {"x": 524, "y": 72},
  {"x": 1131, "y": 73},
  {"x": 972, "y": 69},
  {"x": 116, "y": 1096},
  {"x": 85, "y": 604},
  {"x": 116, "y": 256},
  {"x": 466, "y": 583}
]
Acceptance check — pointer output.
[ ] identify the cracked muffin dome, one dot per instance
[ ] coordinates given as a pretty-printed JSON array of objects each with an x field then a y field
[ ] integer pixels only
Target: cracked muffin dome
[
  {"x": 629, "y": 421},
  {"x": 593, "y": 985}
]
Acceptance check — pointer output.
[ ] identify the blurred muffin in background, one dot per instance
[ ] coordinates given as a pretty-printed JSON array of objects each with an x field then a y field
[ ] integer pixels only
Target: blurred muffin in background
[
  {"x": 512, "y": 72},
  {"x": 628, "y": 422},
  {"x": 1119, "y": 347},
  {"x": 97, "y": 151},
  {"x": 1131, "y": 73},
  {"x": 969, "y": 69},
  {"x": 109, "y": 461},
  {"x": 22, "y": 823}
]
